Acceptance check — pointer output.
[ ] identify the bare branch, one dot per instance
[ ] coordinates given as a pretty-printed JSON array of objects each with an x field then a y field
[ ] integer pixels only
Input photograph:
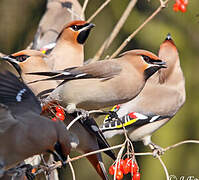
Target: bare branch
[
  {"x": 72, "y": 169},
  {"x": 180, "y": 143},
  {"x": 84, "y": 8},
  {"x": 139, "y": 28},
  {"x": 165, "y": 168},
  {"x": 81, "y": 116},
  {"x": 73, "y": 121},
  {"x": 98, "y": 10},
  {"x": 115, "y": 31}
]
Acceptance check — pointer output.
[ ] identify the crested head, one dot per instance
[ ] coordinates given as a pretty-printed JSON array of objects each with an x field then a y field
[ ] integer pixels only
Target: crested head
[
  {"x": 76, "y": 22},
  {"x": 169, "y": 40},
  {"x": 169, "y": 53},
  {"x": 21, "y": 57},
  {"x": 28, "y": 53},
  {"x": 144, "y": 61},
  {"x": 76, "y": 32}
]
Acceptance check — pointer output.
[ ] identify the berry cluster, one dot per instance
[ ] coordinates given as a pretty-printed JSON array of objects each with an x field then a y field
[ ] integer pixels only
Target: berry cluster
[
  {"x": 180, "y": 5},
  {"x": 59, "y": 114},
  {"x": 124, "y": 167}
]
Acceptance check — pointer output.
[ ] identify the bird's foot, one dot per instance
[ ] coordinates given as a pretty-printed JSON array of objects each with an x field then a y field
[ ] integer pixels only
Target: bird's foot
[
  {"x": 71, "y": 108},
  {"x": 83, "y": 113},
  {"x": 157, "y": 150}
]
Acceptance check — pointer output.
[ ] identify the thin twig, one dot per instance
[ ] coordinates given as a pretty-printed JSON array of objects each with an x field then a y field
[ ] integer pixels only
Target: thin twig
[
  {"x": 84, "y": 8},
  {"x": 98, "y": 151},
  {"x": 115, "y": 31},
  {"x": 180, "y": 143},
  {"x": 163, "y": 165},
  {"x": 118, "y": 158},
  {"x": 72, "y": 169},
  {"x": 73, "y": 121},
  {"x": 126, "y": 41},
  {"x": 59, "y": 164},
  {"x": 81, "y": 116},
  {"x": 98, "y": 10}
]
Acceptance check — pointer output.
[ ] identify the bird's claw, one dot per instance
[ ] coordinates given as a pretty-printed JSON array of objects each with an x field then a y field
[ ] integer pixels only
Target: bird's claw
[
  {"x": 83, "y": 113},
  {"x": 157, "y": 150}
]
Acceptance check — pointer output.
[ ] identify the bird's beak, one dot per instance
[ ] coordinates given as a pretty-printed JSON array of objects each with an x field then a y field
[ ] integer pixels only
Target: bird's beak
[
  {"x": 84, "y": 32},
  {"x": 159, "y": 62},
  {"x": 14, "y": 63},
  {"x": 88, "y": 27}
]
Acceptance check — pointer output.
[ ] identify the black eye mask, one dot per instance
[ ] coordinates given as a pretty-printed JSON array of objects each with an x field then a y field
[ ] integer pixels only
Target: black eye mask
[{"x": 82, "y": 36}]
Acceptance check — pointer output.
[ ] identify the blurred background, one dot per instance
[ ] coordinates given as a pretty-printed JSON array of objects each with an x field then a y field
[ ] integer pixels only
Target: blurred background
[{"x": 18, "y": 24}]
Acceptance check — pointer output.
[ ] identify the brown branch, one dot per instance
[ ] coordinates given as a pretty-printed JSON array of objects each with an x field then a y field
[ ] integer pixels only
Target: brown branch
[
  {"x": 98, "y": 10},
  {"x": 72, "y": 169},
  {"x": 84, "y": 8},
  {"x": 139, "y": 28},
  {"x": 59, "y": 164},
  {"x": 164, "y": 167},
  {"x": 115, "y": 31},
  {"x": 181, "y": 143}
]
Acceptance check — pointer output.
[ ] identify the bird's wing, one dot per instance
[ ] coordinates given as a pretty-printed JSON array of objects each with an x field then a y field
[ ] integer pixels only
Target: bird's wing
[
  {"x": 90, "y": 125},
  {"x": 130, "y": 120},
  {"x": 16, "y": 95},
  {"x": 103, "y": 69},
  {"x": 6, "y": 119}
]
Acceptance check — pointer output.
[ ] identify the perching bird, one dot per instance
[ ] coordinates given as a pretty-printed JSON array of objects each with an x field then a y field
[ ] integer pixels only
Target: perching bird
[
  {"x": 159, "y": 101},
  {"x": 31, "y": 61},
  {"x": 23, "y": 131},
  {"x": 58, "y": 13},
  {"x": 103, "y": 83},
  {"x": 90, "y": 137},
  {"x": 69, "y": 49}
]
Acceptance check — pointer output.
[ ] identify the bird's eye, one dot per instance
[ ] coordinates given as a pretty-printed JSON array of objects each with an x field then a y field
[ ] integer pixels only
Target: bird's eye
[
  {"x": 146, "y": 58},
  {"x": 21, "y": 58},
  {"x": 75, "y": 27}
]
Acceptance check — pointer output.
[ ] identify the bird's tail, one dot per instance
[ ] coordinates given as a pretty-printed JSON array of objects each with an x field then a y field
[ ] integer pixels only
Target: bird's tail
[{"x": 96, "y": 161}]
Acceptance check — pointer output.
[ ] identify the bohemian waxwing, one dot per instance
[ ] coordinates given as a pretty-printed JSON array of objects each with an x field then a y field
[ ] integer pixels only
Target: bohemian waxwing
[
  {"x": 90, "y": 136},
  {"x": 103, "y": 83},
  {"x": 58, "y": 13},
  {"x": 159, "y": 101},
  {"x": 69, "y": 51},
  {"x": 27, "y": 61},
  {"x": 23, "y": 131}
]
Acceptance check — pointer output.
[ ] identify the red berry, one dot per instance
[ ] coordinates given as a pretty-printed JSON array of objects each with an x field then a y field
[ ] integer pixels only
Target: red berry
[
  {"x": 119, "y": 174},
  {"x": 127, "y": 166},
  {"x": 121, "y": 164},
  {"x": 176, "y": 7},
  {"x": 59, "y": 109},
  {"x": 126, "y": 169},
  {"x": 134, "y": 168},
  {"x": 60, "y": 116},
  {"x": 54, "y": 119},
  {"x": 182, "y": 8},
  {"x": 112, "y": 170},
  {"x": 128, "y": 161},
  {"x": 136, "y": 176}
]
